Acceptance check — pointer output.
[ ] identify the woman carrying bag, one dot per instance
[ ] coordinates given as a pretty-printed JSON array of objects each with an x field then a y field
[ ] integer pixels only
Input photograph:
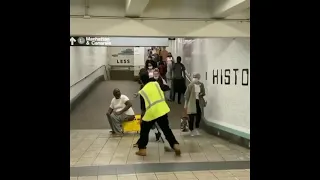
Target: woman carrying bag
[{"x": 195, "y": 103}]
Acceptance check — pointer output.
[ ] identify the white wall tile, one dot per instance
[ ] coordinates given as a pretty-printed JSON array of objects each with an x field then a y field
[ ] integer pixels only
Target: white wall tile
[{"x": 228, "y": 105}]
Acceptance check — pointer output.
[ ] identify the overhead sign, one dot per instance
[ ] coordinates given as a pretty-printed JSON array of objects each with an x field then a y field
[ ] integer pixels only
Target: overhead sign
[
  {"x": 117, "y": 41},
  {"x": 89, "y": 41}
]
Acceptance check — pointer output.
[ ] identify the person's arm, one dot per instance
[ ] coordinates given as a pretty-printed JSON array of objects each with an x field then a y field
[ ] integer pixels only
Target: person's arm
[
  {"x": 187, "y": 93},
  {"x": 143, "y": 107},
  {"x": 163, "y": 81},
  {"x": 202, "y": 90},
  {"x": 172, "y": 66},
  {"x": 163, "y": 85},
  {"x": 183, "y": 71},
  {"x": 110, "y": 110}
]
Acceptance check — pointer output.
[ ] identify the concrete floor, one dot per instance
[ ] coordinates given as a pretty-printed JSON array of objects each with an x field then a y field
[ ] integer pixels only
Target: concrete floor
[{"x": 91, "y": 113}]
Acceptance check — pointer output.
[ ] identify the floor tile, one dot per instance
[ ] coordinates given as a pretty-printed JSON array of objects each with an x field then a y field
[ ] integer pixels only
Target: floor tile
[
  {"x": 88, "y": 178},
  {"x": 185, "y": 175},
  {"x": 146, "y": 176},
  {"x": 198, "y": 157},
  {"x": 222, "y": 174},
  {"x": 90, "y": 154},
  {"x": 108, "y": 177},
  {"x": 127, "y": 177},
  {"x": 240, "y": 173},
  {"x": 107, "y": 150},
  {"x": 122, "y": 160},
  {"x": 86, "y": 144},
  {"x": 204, "y": 175},
  {"x": 243, "y": 178},
  {"x": 166, "y": 176},
  {"x": 101, "y": 160},
  {"x": 228, "y": 178},
  {"x": 84, "y": 162}
]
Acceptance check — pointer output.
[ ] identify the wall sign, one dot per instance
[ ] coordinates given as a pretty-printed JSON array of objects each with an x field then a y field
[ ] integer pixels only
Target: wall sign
[
  {"x": 102, "y": 41},
  {"x": 121, "y": 56},
  {"x": 231, "y": 76},
  {"x": 89, "y": 41}
]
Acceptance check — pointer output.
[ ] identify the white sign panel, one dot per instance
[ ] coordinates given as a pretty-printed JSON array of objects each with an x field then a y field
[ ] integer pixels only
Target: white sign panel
[{"x": 121, "y": 56}]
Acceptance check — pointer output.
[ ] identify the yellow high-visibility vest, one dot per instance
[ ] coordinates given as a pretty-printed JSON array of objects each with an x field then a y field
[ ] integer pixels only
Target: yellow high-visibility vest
[{"x": 155, "y": 102}]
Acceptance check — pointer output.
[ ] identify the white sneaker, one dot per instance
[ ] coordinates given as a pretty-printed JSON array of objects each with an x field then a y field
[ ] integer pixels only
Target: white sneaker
[
  {"x": 192, "y": 133},
  {"x": 197, "y": 133}
]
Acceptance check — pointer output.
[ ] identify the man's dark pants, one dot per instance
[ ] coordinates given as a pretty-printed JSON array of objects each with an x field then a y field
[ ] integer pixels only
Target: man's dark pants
[{"x": 163, "y": 123}]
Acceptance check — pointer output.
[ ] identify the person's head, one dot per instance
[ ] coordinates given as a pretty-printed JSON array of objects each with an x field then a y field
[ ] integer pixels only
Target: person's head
[
  {"x": 169, "y": 54},
  {"x": 196, "y": 77},
  {"x": 144, "y": 78},
  {"x": 156, "y": 74},
  {"x": 116, "y": 93},
  {"x": 149, "y": 64},
  {"x": 161, "y": 62},
  {"x": 178, "y": 59}
]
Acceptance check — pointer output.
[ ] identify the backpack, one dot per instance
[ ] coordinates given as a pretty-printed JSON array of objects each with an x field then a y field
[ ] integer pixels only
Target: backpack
[{"x": 163, "y": 69}]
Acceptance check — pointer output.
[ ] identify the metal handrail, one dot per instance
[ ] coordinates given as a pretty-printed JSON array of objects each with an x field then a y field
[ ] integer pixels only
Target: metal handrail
[
  {"x": 105, "y": 67},
  {"x": 187, "y": 76}
]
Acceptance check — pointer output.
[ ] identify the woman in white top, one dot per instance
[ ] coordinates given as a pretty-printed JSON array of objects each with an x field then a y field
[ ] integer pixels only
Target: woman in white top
[
  {"x": 194, "y": 103},
  {"x": 150, "y": 66}
]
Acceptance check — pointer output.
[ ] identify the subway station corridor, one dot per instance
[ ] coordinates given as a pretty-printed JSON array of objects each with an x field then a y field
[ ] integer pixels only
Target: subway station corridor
[
  {"x": 112, "y": 40},
  {"x": 95, "y": 154}
]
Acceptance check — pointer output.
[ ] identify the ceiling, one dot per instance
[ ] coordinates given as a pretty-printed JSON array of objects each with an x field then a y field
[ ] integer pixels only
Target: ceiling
[{"x": 162, "y": 9}]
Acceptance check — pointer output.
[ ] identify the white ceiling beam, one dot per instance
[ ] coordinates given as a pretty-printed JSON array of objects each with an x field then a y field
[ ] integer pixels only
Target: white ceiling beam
[
  {"x": 224, "y": 8},
  {"x": 134, "y": 8},
  {"x": 155, "y": 28}
]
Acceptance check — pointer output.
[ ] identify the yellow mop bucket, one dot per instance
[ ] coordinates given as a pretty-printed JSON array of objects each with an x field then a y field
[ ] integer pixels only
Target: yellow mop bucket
[{"x": 132, "y": 126}]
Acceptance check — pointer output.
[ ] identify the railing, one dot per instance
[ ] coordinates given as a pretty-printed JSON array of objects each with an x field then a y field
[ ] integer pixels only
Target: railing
[
  {"x": 120, "y": 68},
  {"x": 105, "y": 68},
  {"x": 188, "y": 78}
]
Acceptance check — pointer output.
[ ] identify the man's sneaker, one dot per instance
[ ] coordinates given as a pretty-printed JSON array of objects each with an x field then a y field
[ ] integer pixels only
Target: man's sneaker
[
  {"x": 196, "y": 132},
  {"x": 192, "y": 133}
]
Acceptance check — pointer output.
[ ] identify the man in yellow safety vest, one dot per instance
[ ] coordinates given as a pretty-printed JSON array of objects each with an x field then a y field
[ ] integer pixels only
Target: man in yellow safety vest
[{"x": 156, "y": 110}]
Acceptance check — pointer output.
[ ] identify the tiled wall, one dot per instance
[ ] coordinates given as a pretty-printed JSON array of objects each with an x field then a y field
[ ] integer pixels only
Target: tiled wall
[
  {"x": 83, "y": 61},
  {"x": 228, "y": 105}
]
